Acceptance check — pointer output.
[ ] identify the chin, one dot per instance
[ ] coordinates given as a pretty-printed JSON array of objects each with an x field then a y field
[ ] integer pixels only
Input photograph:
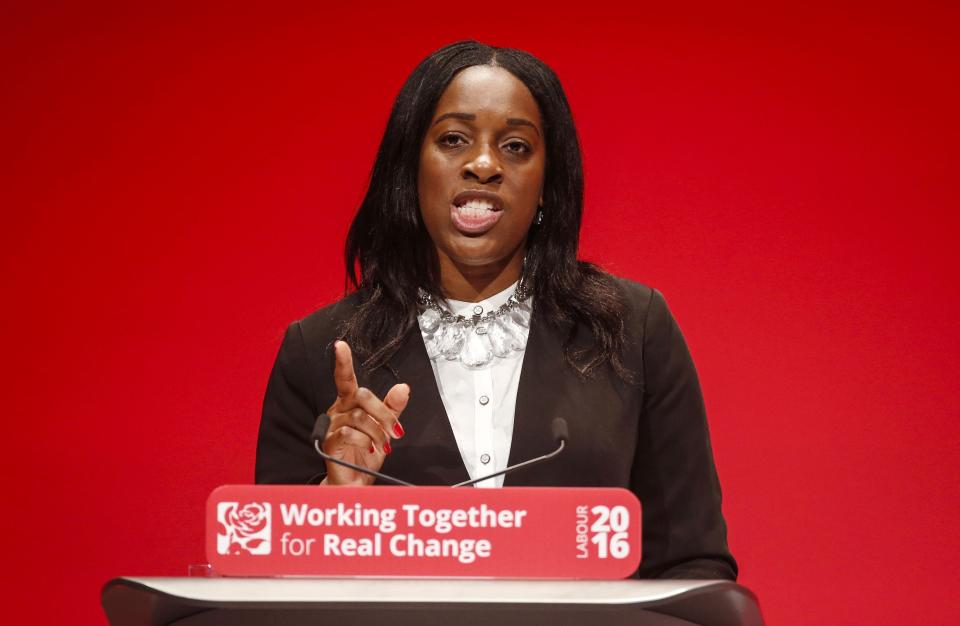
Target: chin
[
  {"x": 478, "y": 253},
  {"x": 474, "y": 260}
]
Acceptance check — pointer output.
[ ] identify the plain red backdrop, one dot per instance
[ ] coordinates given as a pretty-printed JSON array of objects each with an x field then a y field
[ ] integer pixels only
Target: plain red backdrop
[{"x": 178, "y": 181}]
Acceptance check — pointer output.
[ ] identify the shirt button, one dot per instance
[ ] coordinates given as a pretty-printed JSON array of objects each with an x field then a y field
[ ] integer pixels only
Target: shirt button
[
  {"x": 484, "y": 458},
  {"x": 484, "y": 400},
  {"x": 477, "y": 310}
]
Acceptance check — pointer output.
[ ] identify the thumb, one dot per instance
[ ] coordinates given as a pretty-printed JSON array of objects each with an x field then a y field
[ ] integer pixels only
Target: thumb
[{"x": 396, "y": 400}]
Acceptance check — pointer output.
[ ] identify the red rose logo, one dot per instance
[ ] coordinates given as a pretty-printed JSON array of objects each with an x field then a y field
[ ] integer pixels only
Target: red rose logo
[
  {"x": 249, "y": 520},
  {"x": 243, "y": 528}
]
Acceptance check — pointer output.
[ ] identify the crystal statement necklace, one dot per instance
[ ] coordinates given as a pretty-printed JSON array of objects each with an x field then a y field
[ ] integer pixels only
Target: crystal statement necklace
[{"x": 476, "y": 340}]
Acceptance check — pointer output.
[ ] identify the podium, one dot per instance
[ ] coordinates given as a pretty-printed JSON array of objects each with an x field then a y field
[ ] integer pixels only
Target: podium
[{"x": 137, "y": 601}]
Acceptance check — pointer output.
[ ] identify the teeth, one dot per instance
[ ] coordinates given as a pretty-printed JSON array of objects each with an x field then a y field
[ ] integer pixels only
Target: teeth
[{"x": 477, "y": 206}]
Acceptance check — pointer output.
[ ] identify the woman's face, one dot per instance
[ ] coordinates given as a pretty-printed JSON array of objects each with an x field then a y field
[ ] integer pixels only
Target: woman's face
[{"x": 481, "y": 168}]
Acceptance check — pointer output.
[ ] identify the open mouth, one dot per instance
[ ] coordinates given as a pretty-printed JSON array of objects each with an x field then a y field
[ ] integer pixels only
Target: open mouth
[{"x": 475, "y": 214}]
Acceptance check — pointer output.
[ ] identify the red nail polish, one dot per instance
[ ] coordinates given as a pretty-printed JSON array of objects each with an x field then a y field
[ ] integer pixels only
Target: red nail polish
[
  {"x": 372, "y": 449},
  {"x": 397, "y": 429},
  {"x": 386, "y": 447}
]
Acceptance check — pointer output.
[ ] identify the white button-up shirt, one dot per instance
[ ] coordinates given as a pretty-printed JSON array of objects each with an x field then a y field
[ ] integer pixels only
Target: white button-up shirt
[{"x": 480, "y": 402}]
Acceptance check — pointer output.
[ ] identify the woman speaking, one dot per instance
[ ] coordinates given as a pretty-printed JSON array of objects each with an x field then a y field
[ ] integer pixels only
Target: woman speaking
[{"x": 473, "y": 324}]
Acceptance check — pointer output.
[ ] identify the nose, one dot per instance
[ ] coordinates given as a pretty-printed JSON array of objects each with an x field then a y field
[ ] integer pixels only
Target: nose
[{"x": 483, "y": 165}]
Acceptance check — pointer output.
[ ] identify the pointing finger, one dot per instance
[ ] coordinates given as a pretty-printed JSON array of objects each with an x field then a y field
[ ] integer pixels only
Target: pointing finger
[{"x": 343, "y": 375}]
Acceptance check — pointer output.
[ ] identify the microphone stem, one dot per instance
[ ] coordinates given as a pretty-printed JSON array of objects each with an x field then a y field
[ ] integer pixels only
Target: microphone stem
[
  {"x": 514, "y": 467},
  {"x": 358, "y": 468}
]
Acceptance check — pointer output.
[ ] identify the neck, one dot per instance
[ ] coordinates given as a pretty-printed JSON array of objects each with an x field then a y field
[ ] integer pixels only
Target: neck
[{"x": 473, "y": 283}]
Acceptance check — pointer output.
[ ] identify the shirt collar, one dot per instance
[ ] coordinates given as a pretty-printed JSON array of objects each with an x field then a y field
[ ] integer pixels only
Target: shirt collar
[{"x": 469, "y": 309}]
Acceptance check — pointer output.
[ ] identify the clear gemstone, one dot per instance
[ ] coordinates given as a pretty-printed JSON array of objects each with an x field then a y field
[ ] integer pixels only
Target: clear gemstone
[
  {"x": 499, "y": 339},
  {"x": 429, "y": 320},
  {"x": 521, "y": 315},
  {"x": 451, "y": 341},
  {"x": 477, "y": 351},
  {"x": 518, "y": 335},
  {"x": 432, "y": 344}
]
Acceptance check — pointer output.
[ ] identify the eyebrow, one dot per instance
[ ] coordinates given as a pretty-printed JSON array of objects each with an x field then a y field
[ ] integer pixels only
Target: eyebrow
[
  {"x": 469, "y": 117},
  {"x": 519, "y": 121},
  {"x": 460, "y": 116}
]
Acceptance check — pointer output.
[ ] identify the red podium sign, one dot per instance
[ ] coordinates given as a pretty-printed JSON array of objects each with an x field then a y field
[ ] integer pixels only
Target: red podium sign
[{"x": 519, "y": 532}]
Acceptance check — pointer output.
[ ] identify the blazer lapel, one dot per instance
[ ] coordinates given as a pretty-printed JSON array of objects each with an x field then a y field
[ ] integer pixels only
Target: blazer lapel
[
  {"x": 540, "y": 398},
  {"x": 427, "y": 454}
]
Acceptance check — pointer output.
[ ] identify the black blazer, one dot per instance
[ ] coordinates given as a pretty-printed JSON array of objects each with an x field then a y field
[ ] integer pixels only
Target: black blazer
[{"x": 649, "y": 435}]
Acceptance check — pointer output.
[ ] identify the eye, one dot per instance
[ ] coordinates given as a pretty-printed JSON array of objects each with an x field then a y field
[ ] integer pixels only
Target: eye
[
  {"x": 516, "y": 146},
  {"x": 451, "y": 140}
]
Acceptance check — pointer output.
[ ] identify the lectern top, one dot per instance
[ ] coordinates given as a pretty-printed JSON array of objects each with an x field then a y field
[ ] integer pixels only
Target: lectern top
[{"x": 347, "y": 590}]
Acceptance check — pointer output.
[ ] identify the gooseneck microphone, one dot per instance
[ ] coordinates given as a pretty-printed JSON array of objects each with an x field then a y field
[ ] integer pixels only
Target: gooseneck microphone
[
  {"x": 320, "y": 429},
  {"x": 558, "y": 428}
]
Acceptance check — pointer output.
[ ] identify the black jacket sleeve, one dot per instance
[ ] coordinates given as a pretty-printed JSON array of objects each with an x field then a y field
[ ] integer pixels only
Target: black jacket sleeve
[
  {"x": 684, "y": 533},
  {"x": 289, "y": 413}
]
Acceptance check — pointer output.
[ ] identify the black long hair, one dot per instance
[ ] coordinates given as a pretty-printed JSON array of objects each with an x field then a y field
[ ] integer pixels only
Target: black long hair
[{"x": 389, "y": 253}]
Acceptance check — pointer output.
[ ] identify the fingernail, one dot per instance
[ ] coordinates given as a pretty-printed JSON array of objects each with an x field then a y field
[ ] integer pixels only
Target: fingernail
[
  {"x": 372, "y": 449},
  {"x": 386, "y": 447},
  {"x": 397, "y": 429}
]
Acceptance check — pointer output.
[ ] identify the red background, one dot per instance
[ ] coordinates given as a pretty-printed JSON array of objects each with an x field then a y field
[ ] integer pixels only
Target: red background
[{"x": 178, "y": 182}]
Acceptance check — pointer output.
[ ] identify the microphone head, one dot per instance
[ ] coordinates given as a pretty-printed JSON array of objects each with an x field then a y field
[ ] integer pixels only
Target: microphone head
[
  {"x": 320, "y": 428},
  {"x": 559, "y": 430}
]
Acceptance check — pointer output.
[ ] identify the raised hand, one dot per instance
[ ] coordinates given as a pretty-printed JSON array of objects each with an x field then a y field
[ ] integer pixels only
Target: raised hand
[{"x": 361, "y": 425}]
